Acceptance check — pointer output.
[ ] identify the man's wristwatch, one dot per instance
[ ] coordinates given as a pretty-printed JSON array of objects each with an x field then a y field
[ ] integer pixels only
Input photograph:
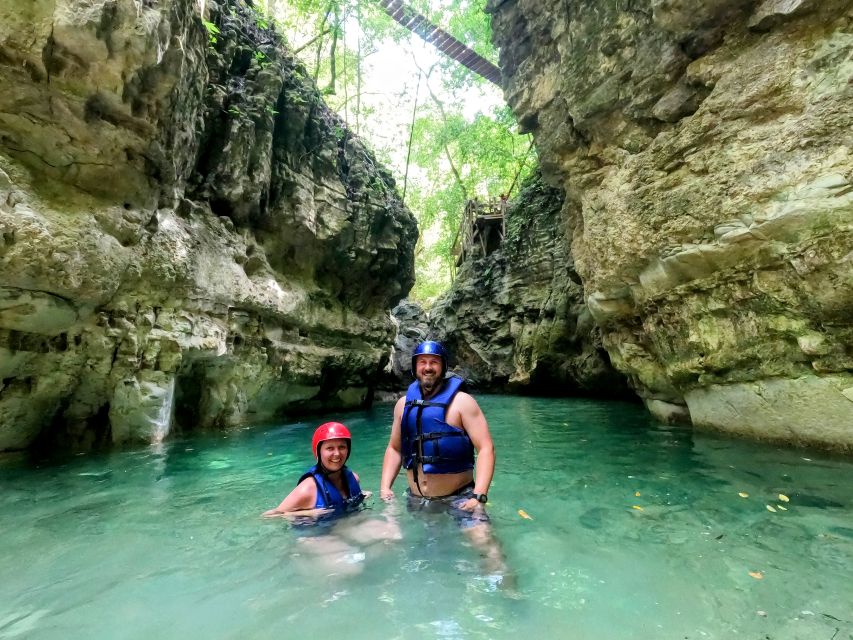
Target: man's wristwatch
[{"x": 482, "y": 498}]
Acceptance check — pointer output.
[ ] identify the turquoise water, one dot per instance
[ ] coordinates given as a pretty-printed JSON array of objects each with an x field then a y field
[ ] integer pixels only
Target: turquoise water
[{"x": 168, "y": 542}]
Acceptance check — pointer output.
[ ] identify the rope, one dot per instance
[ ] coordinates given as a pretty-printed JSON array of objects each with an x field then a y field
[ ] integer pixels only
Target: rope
[{"x": 411, "y": 135}]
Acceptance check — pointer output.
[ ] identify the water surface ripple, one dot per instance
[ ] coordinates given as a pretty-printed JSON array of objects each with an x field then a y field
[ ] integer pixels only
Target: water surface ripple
[{"x": 635, "y": 530}]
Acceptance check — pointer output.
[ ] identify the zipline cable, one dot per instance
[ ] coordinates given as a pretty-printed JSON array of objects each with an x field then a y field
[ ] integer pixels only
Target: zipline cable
[{"x": 411, "y": 136}]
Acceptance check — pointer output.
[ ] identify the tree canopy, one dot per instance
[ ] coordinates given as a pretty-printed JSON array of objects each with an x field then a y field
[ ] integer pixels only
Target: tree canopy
[{"x": 443, "y": 130}]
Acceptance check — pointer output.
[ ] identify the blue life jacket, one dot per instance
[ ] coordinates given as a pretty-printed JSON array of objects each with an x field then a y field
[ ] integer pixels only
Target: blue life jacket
[
  {"x": 328, "y": 496},
  {"x": 427, "y": 439}
]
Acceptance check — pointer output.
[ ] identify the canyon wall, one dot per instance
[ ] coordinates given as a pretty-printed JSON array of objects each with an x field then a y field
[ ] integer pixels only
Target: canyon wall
[
  {"x": 516, "y": 319},
  {"x": 188, "y": 236},
  {"x": 704, "y": 149}
]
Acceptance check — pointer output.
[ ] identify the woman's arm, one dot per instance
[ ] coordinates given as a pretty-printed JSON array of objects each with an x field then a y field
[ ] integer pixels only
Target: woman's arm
[{"x": 304, "y": 496}]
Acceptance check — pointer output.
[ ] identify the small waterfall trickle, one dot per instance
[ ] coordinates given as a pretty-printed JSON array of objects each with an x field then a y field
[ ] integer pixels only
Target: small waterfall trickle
[{"x": 162, "y": 423}]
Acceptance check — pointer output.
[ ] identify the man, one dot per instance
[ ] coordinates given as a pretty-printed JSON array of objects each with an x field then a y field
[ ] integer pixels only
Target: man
[{"x": 434, "y": 435}]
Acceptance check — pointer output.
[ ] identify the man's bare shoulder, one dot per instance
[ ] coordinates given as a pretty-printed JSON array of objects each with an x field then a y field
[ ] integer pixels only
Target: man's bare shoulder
[
  {"x": 463, "y": 408},
  {"x": 398, "y": 407},
  {"x": 466, "y": 399}
]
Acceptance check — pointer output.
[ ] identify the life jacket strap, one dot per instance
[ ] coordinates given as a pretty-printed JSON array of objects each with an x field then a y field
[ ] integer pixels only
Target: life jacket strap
[
  {"x": 417, "y": 402},
  {"x": 438, "y": 435},
  {"x": 419, "y": 444}
]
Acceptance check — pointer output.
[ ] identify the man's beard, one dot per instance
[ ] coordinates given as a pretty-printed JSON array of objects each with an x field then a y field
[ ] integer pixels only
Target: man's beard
[{"x": 428, "y": 386}]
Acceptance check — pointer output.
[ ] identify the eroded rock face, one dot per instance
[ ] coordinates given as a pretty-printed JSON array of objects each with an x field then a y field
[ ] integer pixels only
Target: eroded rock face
[
  {"x": 411, "y": 327},
  {"x": 516, "y": 320},
  {"x": 705, "y": 152},
  {"x": 412, "y": 324},
  {"x": 187, "y": 235}
]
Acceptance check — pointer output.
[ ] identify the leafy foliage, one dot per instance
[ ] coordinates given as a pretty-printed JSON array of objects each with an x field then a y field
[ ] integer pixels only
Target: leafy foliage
[
  {"x": 456, "y": 153},
  {"x": 212, "y": 32},
  {"x": 489, "y": 157}
]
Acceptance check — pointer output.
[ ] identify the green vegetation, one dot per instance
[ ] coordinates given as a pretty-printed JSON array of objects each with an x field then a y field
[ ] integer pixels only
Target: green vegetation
[
  {"x": 462, "y": 159},
  {"x": 427, "y": 126},
  {"x": 212, "y": 32}
]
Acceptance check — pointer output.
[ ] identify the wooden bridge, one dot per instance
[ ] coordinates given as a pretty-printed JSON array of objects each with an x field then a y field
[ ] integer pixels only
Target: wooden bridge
[
  {"x": 443, "y": 41},
  {"x": 481, "y": 230}
]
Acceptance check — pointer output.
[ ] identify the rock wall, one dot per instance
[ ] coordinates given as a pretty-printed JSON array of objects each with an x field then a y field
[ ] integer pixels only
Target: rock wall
[
  {"x": 187, "y": 234},
  {"x": 515, "y": 320},
  {"x": 705, "y": 152},
  {"x": 411, "y": 326},
  {"x": 412, "y": 323}
]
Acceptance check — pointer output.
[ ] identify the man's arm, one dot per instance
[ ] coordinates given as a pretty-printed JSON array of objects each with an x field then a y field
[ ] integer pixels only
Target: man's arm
[
  {"x": 393, "y": 457},
  {"x": 475, "y": 425}
]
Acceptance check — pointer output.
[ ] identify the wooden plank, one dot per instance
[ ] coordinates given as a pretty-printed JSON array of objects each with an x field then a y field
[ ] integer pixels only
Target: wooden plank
[{"x": 442, "y": 40}]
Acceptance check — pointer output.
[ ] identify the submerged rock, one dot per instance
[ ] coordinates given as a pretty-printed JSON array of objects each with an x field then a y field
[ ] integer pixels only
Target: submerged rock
[
  {"x": 187, "y": 234},
  {"x": 705, "y": 152}
]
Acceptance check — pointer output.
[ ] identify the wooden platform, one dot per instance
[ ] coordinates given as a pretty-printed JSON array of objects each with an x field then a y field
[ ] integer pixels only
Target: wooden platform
[{"x": 481, "y": 230}]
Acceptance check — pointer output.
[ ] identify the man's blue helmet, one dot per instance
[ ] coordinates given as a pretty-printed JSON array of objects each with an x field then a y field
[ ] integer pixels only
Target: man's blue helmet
[{"x": 430, "y": 347}]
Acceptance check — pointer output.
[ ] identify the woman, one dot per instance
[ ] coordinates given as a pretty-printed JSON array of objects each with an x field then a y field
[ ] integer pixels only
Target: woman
[{"x": 329, "y": 484}]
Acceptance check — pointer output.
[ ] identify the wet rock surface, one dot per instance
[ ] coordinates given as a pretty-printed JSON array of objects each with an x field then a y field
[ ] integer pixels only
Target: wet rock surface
[
  {"x": 704, "y": 150},
  {"x": 188, "y": 236},
  {"x": 515, "y": 320},
  {"x": 411, "y": 327}
]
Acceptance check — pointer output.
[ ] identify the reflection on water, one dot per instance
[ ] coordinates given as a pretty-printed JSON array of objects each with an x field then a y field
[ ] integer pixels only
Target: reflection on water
[{"x": 635, "y": 530}]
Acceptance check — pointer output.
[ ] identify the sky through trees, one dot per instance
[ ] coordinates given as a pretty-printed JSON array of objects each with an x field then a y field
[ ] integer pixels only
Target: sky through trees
[{"x": 444, "y": 132}]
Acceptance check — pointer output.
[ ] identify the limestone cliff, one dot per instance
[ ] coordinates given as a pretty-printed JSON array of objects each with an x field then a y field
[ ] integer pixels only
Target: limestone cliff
[
  {"x": 705, "y": 153},
  {"x": 515, "y": 320},
  {"x": 187, "y": 234}
]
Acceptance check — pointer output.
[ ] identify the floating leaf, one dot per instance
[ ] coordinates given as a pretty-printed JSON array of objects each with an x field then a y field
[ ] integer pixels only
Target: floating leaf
[
  {"x": 771, "y": 508},
  {"x": 784, "y": 498},
  {"x": 743, "y": 494},
  {"x": 524, "y": 514},
  {"x": 757, "y": 575},
  {"x": 637, "y": 507}
]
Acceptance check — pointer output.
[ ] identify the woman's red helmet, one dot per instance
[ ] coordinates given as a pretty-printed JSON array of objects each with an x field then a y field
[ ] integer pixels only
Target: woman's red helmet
[{"x": 330, "y": 431}]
